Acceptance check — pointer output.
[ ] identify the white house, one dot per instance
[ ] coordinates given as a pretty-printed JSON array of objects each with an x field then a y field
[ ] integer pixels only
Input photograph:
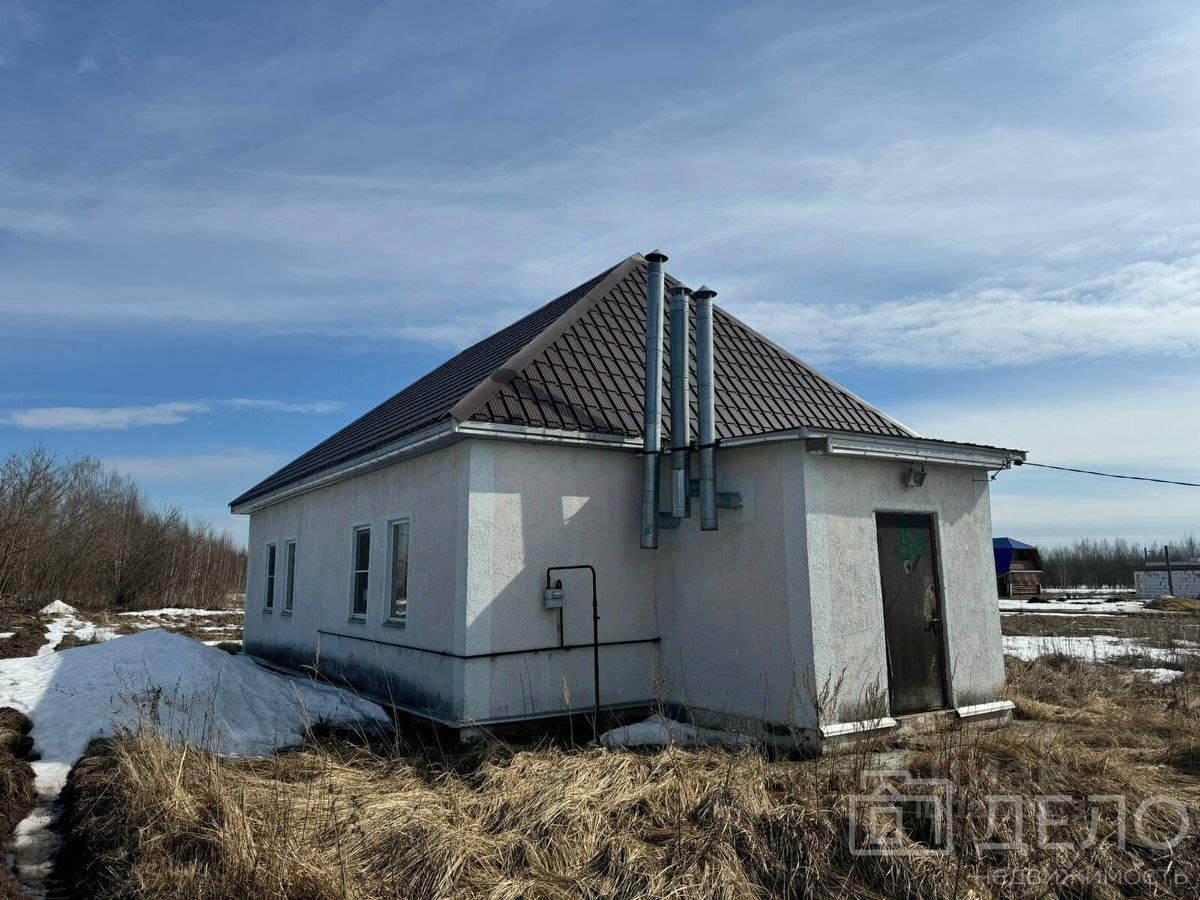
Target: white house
[{"x": 786, "y": 557}]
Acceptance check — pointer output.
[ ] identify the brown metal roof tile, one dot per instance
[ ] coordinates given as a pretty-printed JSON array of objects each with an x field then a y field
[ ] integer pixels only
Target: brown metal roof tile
[{"x": 578, "y": 366}]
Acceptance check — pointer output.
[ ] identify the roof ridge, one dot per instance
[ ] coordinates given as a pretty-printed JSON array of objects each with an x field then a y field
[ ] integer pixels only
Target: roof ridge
[{"x": 472, "y": 401}]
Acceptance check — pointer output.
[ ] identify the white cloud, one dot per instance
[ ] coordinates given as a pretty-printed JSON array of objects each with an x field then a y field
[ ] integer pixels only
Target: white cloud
[
  {"x": 1145, "y": 309},
  {"x": 196, "y": 466},
  {"x": 1065, "y": 276},
  {"x": 839, "y": 176},
  {"x": 317, "y": 406},
  {"x": 1141, "y": 427},
  {"x": 80, "y": 418},
  {"x": 1148, "y": 514},
  {"x": 111, "y": 418},
  {"x": 200, "y": 485}
]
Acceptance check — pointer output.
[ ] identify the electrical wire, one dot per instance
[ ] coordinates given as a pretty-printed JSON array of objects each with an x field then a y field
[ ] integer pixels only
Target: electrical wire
[{"x": 1111, "y": 475}]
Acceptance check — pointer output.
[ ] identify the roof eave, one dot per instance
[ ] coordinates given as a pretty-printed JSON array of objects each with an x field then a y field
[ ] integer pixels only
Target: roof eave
[
  {"x": 829, "y": 442},
  {"x": 819, "y": 441},
  {"x": 447, "y": 432},
  {"x": 425, "y": 441}
]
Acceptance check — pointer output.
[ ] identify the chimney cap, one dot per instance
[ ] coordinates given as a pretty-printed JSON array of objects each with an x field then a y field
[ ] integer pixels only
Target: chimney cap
[
  {"x": 704, "y": 292},
  {"x": 656, "y": 256},
  {"x": 681, "y": 289}
]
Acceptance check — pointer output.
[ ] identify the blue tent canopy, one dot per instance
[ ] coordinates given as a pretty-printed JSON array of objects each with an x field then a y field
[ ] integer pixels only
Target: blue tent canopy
[{"x": 1002, "y": 548}]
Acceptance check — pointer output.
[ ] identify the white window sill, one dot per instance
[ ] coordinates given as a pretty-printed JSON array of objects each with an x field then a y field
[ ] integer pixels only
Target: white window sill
[
  {"x": 285, "y": 612},
  {"x": 268, "y": 609},
  {"x": 357, "y": 620}
]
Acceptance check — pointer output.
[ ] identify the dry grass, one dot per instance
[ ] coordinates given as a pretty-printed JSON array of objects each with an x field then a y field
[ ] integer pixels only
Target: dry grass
[
  {"x": 153, "y": 821},
  {"x": 1175, "y": 604},
  {"x": 16, "y": 784},
  {"x": 29, "y": 633},
  {"x": 70, "y": 641}
]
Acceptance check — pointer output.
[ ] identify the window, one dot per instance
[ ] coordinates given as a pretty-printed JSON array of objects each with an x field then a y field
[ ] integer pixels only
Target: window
[
  {"x": 362, "y": 565},
  {"x": 289, "y": 574},
  {"x": 398, "y": 587},
  {"x": 270, "y": 601}
]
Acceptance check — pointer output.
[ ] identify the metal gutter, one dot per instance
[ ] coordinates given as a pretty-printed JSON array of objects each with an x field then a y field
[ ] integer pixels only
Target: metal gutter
[
  {"x": 844, "y": 444},
  {"x": 546, "y": 435}
]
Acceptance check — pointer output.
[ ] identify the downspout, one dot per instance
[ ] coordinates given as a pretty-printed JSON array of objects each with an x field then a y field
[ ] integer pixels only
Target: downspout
[
  {"x": 652, "y": 424},
  {"x": 681, "y": 413},
  {"x": 706, "y": 395}
]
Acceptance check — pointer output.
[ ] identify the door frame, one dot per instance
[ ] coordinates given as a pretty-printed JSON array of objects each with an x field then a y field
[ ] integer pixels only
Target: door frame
[{"x": 935, "y": 527}]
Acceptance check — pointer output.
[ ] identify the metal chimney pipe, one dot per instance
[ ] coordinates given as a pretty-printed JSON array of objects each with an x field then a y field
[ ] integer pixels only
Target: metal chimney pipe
[
  {"x": 681, "y": 409},
  {"x": 652, "y": 425},
  {"x": 706, "y": 395}
]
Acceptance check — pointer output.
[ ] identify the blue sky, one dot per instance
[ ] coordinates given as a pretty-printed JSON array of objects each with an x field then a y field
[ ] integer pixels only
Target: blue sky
[{"x": 228, "y": 228}]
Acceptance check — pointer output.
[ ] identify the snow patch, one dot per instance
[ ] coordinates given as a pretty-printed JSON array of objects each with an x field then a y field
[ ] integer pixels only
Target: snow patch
[
  {"x": 187, "y": 691},
  {"x": 179, "y": 612},
  {"x": 5, "y": 635},
  {"x": 66, "y": 621},
  {"x": 1096, "y": 606},
  {"x": 57, "y": 608},
  {"x": 659, "y": 731},
  {"x": 1160, "y": 676},
  {"x": 1097, "y": 647}
]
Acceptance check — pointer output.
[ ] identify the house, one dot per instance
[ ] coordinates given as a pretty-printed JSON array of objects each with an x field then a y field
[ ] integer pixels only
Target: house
[
  {"x": 763, "y": 547},
  {"x": 1179, "y": 579},
  {"x": 1018, "y": 569}
]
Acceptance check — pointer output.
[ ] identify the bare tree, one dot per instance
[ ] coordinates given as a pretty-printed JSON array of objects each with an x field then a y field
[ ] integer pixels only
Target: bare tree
[
  {"x": 84, "y": 534},
  {"x": 1089, "y": 562}
]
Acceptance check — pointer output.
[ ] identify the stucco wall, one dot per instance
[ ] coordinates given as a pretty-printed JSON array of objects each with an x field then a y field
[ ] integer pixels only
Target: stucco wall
[
  {"x": 532, "y": 506},
  {"x": 728, "y": 598},
  {"x": 431, "y": 490},
  {"x": 847, "y": 613},
  {"x": 754, "y": 620}
]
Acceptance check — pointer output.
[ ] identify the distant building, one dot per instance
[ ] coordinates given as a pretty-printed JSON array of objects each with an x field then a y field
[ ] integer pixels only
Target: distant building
[
  {"x": 1150, "y": 579},
  {"x": 1018, "y": 569}
]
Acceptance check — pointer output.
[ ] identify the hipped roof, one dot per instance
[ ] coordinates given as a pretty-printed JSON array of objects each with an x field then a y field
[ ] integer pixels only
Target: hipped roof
[{"x": 576, "y": 365}]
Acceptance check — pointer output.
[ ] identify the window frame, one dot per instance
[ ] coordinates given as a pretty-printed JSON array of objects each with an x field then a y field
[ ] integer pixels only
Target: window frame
[
  {"x": 390, "y": 617},
  {"x": 290, "y": 549},
  {"x": 271, "y": 573},
  {"x": 355, "y": 571}
]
